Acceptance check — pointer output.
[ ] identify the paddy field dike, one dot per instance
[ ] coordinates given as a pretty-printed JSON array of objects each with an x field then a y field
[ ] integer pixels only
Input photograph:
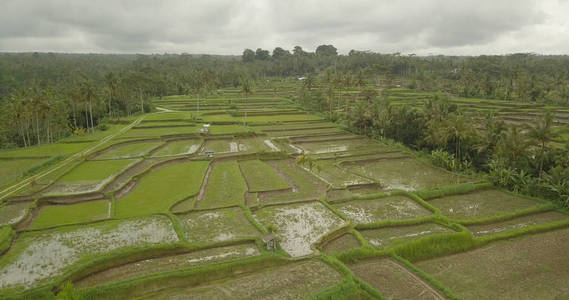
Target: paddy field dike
[{"x": 160, "y": 206}]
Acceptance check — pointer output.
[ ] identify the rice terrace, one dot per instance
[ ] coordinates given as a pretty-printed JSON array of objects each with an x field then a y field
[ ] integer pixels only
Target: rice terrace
[
  {"x": 170, "y": 204},
  {"x": 146, "y": 153}
]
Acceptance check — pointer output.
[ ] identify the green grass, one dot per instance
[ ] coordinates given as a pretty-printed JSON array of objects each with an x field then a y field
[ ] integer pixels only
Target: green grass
[
  {"x": 168, "y": 116},
  {"x": 64, "y": 147},
  {"x": 152, "y": 124},
  {"x": 95, "y": 170},
  {"x": 261, "y": 177},
  {"x": 55, "y": 215},
  {"x": 159, "y": 190},
  {"x": 129, "y": 150},
  {"x": 158, "y": 132},
  {"x": 307, "y": 185},
  {"x": 260, "y": 118},
  {"x": 6, "y": 235},
  {"x": 44, "y": 150},
  {"x": 225, "y": 187},
  {"x": 230, "y": 129},
  {"x": 12, "y": 213},
  {"x": 218, "y": 146},
  {"x": 179, "y": 148},
  {"x": 12, "y": 169}
]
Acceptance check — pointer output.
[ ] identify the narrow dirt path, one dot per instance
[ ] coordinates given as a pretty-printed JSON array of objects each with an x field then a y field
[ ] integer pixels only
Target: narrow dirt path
[
  {"x": 201, "y": 194},
  {"x": 18, "y": 186}
]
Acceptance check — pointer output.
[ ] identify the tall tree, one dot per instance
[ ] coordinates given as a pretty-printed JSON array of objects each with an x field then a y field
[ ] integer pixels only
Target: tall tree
[{"x": 542, "y": 133}]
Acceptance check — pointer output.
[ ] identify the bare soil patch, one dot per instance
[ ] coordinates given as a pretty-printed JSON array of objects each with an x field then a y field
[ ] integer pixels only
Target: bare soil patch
[
  {"x": 527, "y": 267},
  {"x": 393, "y": 280},
  {"x": 345, "y": 242},
  {"x": 293, "y": 281}
]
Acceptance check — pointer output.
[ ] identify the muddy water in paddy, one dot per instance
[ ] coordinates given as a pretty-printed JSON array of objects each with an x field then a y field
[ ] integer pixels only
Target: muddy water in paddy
[
  {"x": 13, "y": 213},
  {"x": 36, "y": 257},
  {"x": 382, "y": 209},
  {"x": 299, "y": 226}
]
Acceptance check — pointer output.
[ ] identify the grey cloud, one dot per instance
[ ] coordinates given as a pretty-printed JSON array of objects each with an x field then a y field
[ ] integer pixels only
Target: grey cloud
[{"x": 229, "y": 26}]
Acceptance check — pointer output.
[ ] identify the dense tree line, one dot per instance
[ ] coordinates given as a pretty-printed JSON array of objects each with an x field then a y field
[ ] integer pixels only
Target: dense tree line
[{"x": 44, "y": 96}]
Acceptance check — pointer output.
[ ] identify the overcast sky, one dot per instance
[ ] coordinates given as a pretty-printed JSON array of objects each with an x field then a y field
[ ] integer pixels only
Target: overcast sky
[{"x": 228, "y": 26}]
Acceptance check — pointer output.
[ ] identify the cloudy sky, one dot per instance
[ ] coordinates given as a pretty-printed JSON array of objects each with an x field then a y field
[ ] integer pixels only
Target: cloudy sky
[{"x": 423, "y": 27}]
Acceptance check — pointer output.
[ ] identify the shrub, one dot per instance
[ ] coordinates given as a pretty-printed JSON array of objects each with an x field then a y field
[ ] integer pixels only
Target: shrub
[{"x": 103, "y": 127}]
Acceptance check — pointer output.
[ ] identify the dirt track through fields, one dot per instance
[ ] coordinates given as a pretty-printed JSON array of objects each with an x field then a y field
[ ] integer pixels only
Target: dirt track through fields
[
  {"x": 201, "y": 193},
  {"x": 18, "y": 186}
]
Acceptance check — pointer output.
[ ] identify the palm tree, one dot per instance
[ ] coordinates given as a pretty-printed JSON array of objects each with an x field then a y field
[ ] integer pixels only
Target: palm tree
[
  {"x": 542, "y": 133},
  {"x": 89, "y": 93},
  {"x": 111, "y": 81},
  {"x": 513, "y": 147},
  {"x": 492, "y": 132},
  {"x": 458, "y": 129},
  {"x": 247, "y": 89},
  {"x": 357, "y": 117},
  {"x": 329, "y": 96},
  {"x": 36, "y": 104}
]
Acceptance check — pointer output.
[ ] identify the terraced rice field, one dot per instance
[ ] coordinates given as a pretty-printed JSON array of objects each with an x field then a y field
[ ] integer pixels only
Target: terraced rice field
[
  {"x": 528, "y": 267},
  {"x": 382, "y": 209},
  {"x": 480, "y": 204},
  {"x": 149, "y": 214},
  {"x": 397, "y": 235}
]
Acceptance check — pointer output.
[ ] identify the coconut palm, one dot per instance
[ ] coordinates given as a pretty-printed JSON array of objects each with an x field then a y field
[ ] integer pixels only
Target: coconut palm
[
  {"x": 247, "y": 90},
  {"x": 513, "y": 148},
  {"x": 542, "y": 133}
]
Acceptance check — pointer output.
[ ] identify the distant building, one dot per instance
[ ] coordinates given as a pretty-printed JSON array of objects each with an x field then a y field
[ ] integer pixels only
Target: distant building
[
  {"x": 205, "y": 129},
  {"x": 270, "y": 241},
  {"x": 209, "y": 153}
]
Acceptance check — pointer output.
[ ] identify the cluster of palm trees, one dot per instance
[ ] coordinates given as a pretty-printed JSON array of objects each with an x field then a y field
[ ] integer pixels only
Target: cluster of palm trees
[
  {"x": 33, "y": 116},
  {"x": 520, "y": 157},
  {"x": 38, "y": 115}
]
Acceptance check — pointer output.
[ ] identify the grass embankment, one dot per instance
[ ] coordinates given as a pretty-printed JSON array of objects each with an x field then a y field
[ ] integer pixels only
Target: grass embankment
[
  {"x": 157, "y": 191},
  {"x": 129, "y": 150},
  {"x": 179, "y": 148},
  {"x": 56, "y": 215},
  {"x": 261, "y": 177},
  {"x": 225, "y": 186},
  {"x": 307, "y": 186},
  {"x": 95, "y": 170}
]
